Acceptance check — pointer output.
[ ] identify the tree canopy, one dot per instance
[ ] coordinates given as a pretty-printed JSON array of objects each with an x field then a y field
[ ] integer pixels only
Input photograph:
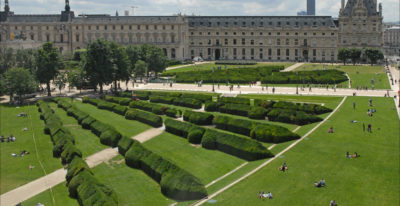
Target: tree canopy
[
  {"x": 373, "y": 55},
  {"x": 18, "y": 81},
  {"x": 47, "y": 62}
]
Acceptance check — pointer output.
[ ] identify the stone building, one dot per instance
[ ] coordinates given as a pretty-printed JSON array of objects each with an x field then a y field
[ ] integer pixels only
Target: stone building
[
  {"x": 261, "y": 38},
  {"x": 360, "y": 24},
  {"x": 391, "y": 39}
]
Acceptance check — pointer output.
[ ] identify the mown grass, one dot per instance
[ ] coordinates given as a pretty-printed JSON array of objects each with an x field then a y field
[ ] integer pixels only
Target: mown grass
[
  {"x": 210, "y": 66},
  {"x": 207, "y": 165},
  {"x": 372, "y": 179},
  {"x": 126, "y": 127},
  {"x": 14, "y": 171},
  {"x": 360, "y": 75}
]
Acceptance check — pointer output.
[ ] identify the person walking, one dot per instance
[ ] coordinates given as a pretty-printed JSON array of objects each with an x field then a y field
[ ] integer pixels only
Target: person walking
[
  {"x": 354, "y": 105},
  {"x": 369, "y": 128}
]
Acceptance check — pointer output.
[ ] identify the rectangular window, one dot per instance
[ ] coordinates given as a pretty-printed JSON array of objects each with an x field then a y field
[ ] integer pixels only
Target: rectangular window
[
  {"x": 89, "y": 27},
  {"x": 287, "y": 41},
  {"x": 234, "y": 42},
  {"x": 61, "y": 38},
  {"x": 147, "y": 27},
  {"x": 32, "y": 37},
  {"x": 105, "y": 27},
  {"x": 47, "y": 38},
  {"x": 252, "y": 52},
  {"x": 77, "y": 37},
  {"x": 314, "y": 52},
  {"x": 287, "y": 52},
  {"x": 138, "y": 27},
  {"x": 243, "y": 51},
  {"x": 155, "y": 27},
  {"x": 122, "y": 27},
  {"x": 269, "y": 52},
  {"x": 296, "y": 42},
  {"x": 252, "y": 42},
  {"x": 226, "y": 41},
  {"x": 234, "y": 51},
  {"x": 296, "y": 52},
  {"x": 209, "y": 51},
  {"x": 172, "y": 27},
  {"x": 243, "y": 41},
  {"x": 278, "y": 42}
]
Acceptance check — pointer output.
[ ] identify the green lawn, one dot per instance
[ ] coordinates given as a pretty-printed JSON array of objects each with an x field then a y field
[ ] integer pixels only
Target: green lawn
[
  {"x": 132, "y": 186},
  {"x": 126, "y": 127},
  {"x": 207, "y": 165},
  {"x": 14, "y": 171},
  {"x": 210, "y": 66},
  {"x": 59, "y": 193},
  {"x": 85, "y": 140},
  {"x": 359, "y": 75},
  {"x": 372, "y": 179}
]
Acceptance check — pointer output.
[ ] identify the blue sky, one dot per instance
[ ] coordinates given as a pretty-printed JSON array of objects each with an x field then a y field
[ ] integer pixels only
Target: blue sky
[{"x": 198, "y": 7}]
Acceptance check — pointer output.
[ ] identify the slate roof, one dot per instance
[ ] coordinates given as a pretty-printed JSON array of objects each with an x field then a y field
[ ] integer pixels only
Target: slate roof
[{"x": 369, "y": 4}]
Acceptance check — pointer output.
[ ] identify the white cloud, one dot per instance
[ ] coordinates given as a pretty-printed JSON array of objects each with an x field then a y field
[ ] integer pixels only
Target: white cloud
[{"x": 199, "y": 7}]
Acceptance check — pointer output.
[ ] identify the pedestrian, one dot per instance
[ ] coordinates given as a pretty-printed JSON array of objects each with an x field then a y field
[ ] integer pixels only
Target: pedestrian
[
  {"x": 370, "y": 102},
  {"x": 354, "y": 104},
  {"x": 369, "y": 128},
  {"x": 273, "y": 90},
  {"x": 363, "y": 127}
]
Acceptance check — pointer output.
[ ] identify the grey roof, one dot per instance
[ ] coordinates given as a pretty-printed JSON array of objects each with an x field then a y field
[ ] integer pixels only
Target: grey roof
[
  {"x": 125, "y": 19},
  {"x": 260, "y": 21},
  {"x": 369, "y": 4},
  {"x": 34, "y": 18}
]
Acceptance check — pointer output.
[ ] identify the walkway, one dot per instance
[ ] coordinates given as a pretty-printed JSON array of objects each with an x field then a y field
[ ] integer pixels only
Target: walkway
[
  {"x": 187, "y": 65},
  {"x": 44, "y": 183},
  {"x": 293, "y": 67},
  {"x": 270, "y": 160}
]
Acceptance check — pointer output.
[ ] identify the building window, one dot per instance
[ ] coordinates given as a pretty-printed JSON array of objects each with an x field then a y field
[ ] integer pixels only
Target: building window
[
  {"x": 147, "y": 27},
  {"x": 296, "y": 42},
  {"x": 32, "y": 37},
  {"x": 209, "y": 42},
  {"x": 234, "y": 41},
  {"x": 217, "y": 42},
  {"x": 105, "y": 27},
  {"x": 296, "y": 52},
  {"x": 323, "y": 53},
  {"x": 122, "y": 27},
  {"x": 172, "y": 27},
  {"x": 113, "y": 27},
  {"x": 305, "y": 42},
  {"x": 314, "y": 52},
  {"x": 278, "y": 51},
  {"x": 138, "y": 27},
  {"x": 226, "y": 41},
  {"x": 243, "y": 41},
  {"x": 130, "y": 27},
  {"x": 173, "y": 55},
  {"x": 287, "y": 41},
  {"x": 61, "y": 38},
  {"x": 209, "y": 51},
  {"x": 269, "y": 52},
  {"x": 47, "y": 37},
  {"x": 287, "y": 52},
  {"x": 89, "y": 27},
  {"x": 77, "y": 37},
  {"x": 278, "y": 42},
  {"x": 252, "y": 52},
  {"x": 234, "y": 51},
  {"x": 252, "y": 42},
  {"x": 155, "y": 27},
  {"x": 97, "y": 27},
  {"x": 243, "y": 52}
]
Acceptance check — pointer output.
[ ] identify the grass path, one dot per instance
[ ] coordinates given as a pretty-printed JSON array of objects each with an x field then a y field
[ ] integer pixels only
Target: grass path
[
  {"x": 270, "y": 160},
  {"x": 372, "y": 179}
]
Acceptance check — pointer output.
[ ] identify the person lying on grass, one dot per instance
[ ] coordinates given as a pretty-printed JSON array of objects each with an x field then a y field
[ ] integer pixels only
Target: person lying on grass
[
  {"x": 321, "y": 183},
  {"x": 355, "y": 155},
  {"x": 284, "y": 167},
  {"x": 330, "y": 130}
]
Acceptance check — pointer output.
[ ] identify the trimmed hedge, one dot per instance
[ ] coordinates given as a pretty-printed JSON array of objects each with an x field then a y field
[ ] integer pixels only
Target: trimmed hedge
[
  {"x": 98, "y": 127},
  {"x": 171, "y": 112},
  {"x": 235, "y": 109},
  {"x": 199, "y": 118},
  {"x": 94, "y": 193},
  {"x": 106, "y": 105},
  {"x": 91, "y": 100},
  {"x": 331, "y": 76},
  {"x": 119, "y": 109},
  {"x": 292, "y": 117},
  {"x": 234, "y": 100},
  {"x": 188, "y": 102},
  {"x": 257, "y": 113},
  {"x": 124, "y": 144},
  {"x": 177, "y": 127},
  {"x": 76, "y": 166},
  {"x": 110, "y": 137},
  {"x": 211, "y": 106},
  {"x": 162, "y": 99},
  {"x": 70, "y": 151},
  {"x": 175, "y": 182},
  {"x": 87, "y": 122},
  {"x": 77, "y": 114},
  {"x": 195, "y": 135},
  {"x": 235, "y": 145},
  {"x": 308, "y": 108},
  {"x": 145, "y": 117}
]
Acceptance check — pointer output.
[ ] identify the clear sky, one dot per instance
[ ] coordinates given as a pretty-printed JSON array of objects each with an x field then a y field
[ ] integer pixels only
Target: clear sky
[{"x": 391, "y": 8}]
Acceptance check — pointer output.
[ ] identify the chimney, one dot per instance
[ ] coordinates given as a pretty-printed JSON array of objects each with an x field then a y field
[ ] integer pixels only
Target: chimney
[
  {"x": 380, "y": 9},
  {"x": 342, "y": 4}
]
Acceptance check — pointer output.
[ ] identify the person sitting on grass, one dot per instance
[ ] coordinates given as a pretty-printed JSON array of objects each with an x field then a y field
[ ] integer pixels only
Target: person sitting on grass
[
  {"x": 2, "y": 138},
  {"x": 11, "y": 138},
  {"x": 25, "y": 129},
  {"x": 330, "y": 130},
  {"x": 283, "y": 168},
  {"x": 24, "y": 153},
  {"x": 348, "y": 155},
  {"x": 355, "y": 155},
  {"x": 269, "y": 195},
  {"x": 333, "y": 203}
]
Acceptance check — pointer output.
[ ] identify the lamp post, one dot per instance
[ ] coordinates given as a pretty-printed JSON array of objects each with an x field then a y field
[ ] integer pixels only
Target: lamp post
[{"x": 213, "y": 86}]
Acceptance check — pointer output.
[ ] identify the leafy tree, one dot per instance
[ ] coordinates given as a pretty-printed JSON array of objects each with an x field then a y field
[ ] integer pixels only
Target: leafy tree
[
  {"x": 60, "y": 81},
  {"x": 98, "y": 64},
  {"x": 18, "y": 81},
  {"x": 121, "y": 71},
  {"x": 155, "y": 59},
  {"x": 134, "y": 54},
  {"x": 343, "y": 55},
  {"x": 140, "y": 68},
  {"x": 373, "y": 55},
  {"x": 25, "y": 58},
  {"x": 75, "y": 79},
  {"x": 355, "y": 54},
  {"x": 47, "y": 63},
  {"x": 78, "y": 54},
  {"x": 7, "y": 59}
]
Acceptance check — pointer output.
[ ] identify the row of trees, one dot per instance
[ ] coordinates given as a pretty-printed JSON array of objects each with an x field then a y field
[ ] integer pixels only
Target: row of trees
[
  {"x": 101, "y": 64},
  {"x": 356, "y": 54}
]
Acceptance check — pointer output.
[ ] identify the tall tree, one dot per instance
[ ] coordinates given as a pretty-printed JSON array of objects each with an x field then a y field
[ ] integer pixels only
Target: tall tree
[
  {"x": 355, "y": 55},
  {"x": 60, "y": 81},
  {"x": 25, "y": 58},
  {"x": 140, "y": 68},
  {"x": 7, "y": 59},
  {"x": 47, "y": 62},
  {"x": 121, "y": 71},
  {"x": 343, "y": 55},
  {"x": 98, "y": 65},
  {"x": 373, "y": 55},
  {"x": 75, "y": 79},
  {"x": 18, "y": 81},
  {"x": 155, "y": 59}
]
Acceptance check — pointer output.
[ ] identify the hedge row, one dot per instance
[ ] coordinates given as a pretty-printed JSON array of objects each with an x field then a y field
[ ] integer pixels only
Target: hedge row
[
  {"x": 235, "y": 62},
  {"x": 183, "y": 102},
  {"x": 292, "y": 116},
  {"x": 232, "y": 75},
  {"x": 235, "y": 109},
  {"x": 193, "y": 133},
  {"x": 256, "y": 130},
  {"x": 175, "y": 182},
  {"x": 308, "y": 108},
  {"x": 235, "y": 145},
  {"x": 331, "y": 76},
  {"x": 199, "y": 118},
  {"x": 145, "y": 95},
  {"x": 63, "y": 141},
  {"x": 89, "y": 100},
  {"x": 144, "y": 116},
  {"x": 118, "y": 100},
  {"x": 155, "y": 108}
]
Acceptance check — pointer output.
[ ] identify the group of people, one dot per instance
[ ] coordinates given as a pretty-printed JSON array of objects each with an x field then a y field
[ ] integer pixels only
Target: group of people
[
  {"x": 10, "y": 138},
  {"x": 370, "y": 112},
  {"x": 283, "y": 168},
  {"x": 330, "y": 130},
  {"x": 21, "y": 154},
  {"x": 262, "y": 195},
  {"x": 355, "y": 155}
]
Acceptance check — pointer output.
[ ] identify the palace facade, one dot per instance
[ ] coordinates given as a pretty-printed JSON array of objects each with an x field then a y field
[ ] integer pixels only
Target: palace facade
[{"x": 261, "y": 38}]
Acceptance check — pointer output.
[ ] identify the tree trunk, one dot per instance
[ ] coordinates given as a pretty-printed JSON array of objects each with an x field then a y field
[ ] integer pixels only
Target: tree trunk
[
  {"x": 101, "y": 88},
  {"x": 48, "y": 89},
  {"x": 115, "y": 86}
]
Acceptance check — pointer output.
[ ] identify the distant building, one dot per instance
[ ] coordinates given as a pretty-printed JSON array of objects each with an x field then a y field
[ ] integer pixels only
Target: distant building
[
  {"x": 260, "y": 38},
  {"x": 302, "y": 13},
  {"x": 391, "y": 41},
  {"x": 311, "y": 7},
  {"x": 360, "y": 24}
]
